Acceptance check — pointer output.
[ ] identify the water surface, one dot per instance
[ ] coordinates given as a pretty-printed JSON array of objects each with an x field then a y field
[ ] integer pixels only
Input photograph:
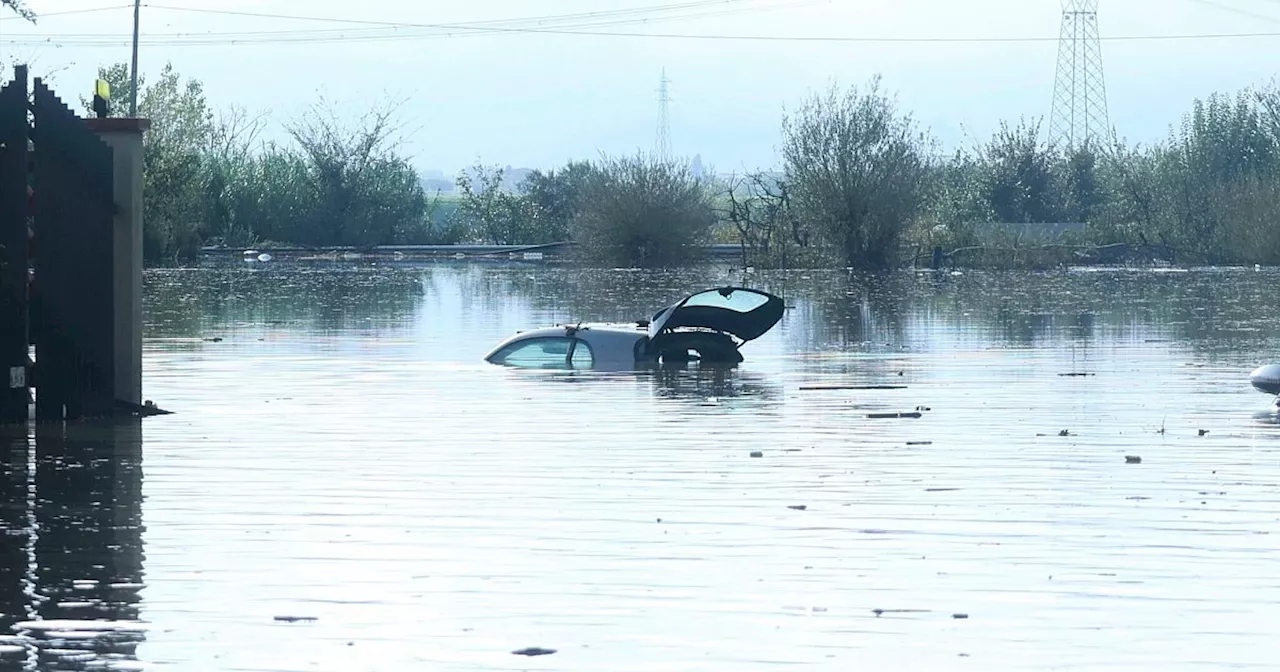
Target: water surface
[{"x": 342, "y": 459}]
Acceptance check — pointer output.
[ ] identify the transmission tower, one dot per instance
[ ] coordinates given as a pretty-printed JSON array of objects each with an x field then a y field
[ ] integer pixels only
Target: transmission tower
[
  {"x": 1080, "y": 91},
  {"x": 662, "y": 145}
]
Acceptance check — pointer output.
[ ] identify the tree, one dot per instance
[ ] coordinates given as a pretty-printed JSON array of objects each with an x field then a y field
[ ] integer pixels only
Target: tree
[
  {"x": 362, "y": 188},
  {"x": 1018, "y": 181},
  {"x": 643, "y": 211},
  {"x": 492, "y": 214},
  {"x": 555, "y": 198},
  {"x": 20, "y": 8},
  {"x": 758, "y": 205},
  {"x": 858, "y": 170},
  {"x": 176, "y": 164}
]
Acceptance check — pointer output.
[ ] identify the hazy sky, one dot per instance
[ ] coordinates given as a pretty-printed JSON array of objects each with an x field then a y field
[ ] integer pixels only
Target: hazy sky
[{"x": 537, "y": 99}]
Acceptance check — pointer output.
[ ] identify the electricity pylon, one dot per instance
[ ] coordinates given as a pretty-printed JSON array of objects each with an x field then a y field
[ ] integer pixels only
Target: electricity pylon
[{"x": 1080, "y": 91}]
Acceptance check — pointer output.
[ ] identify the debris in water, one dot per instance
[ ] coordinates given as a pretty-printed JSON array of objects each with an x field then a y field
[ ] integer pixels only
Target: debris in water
[
  {"x": 959, "y": 616},
  {"x": 798, "y": 507},
  {"x": 756, "y": 453},
  {"x": 1076, "y": 375},
  {"x": 215, "y": 339},
  {"x": 1203, "y": 432},
  {"x": 296, "y": 619},
  {"x": 1132, "y": 459},
  {"x": 814, "y": 388},
  {"x": 534, "y": 651},
  {"x": 878, "y": 612},
  {"x": 892, "y": 416},
  {"x": 919, "y": 443}
]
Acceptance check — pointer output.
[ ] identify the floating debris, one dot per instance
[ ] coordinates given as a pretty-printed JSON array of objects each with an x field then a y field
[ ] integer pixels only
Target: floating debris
[
  {"x": 1132, "y": 459},
  {"x": 959, "y": 616},
  {"x": 879, "y": 612},
  {"x": 798, "y": 507},
  {"x": 296, "y": 619},
  {"x": 812, "y": 388},
  {"x": 1203, "y": 432},
  {"x": 892, "y": 416},
  {"x": 919, "y": 443},
  {"x": 534, "y": 651},
  {"x": 1076, "y": 375},
  {"x": 756, "y": 453}
]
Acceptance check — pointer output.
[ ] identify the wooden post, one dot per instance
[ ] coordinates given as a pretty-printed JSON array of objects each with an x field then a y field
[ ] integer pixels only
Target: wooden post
[{"x": 124, "y": 136}]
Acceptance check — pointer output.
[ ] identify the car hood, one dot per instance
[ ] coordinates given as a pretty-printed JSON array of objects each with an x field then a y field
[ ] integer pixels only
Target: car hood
[{"x": 744, "y": 313}]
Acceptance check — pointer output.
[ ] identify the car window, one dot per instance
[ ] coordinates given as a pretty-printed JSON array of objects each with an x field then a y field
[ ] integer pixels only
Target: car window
[
  {"x": 740, "y": 301},
  {"x": 546, "y": 353}
]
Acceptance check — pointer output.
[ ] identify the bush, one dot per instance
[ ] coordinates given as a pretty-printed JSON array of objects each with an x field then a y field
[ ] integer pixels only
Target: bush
[
  {"x": 858, "y": 171},
  {"x": 643, "y": 211}
]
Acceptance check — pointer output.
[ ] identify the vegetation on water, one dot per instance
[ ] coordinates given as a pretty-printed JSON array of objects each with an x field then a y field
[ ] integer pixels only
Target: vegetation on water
[{"x": 860, "y": 185}]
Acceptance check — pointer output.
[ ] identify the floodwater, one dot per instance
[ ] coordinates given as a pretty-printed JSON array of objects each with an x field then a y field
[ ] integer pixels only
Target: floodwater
[{"x": 346, "y": 486}]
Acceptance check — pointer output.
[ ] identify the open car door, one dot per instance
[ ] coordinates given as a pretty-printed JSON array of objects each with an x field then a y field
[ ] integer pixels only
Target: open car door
[{"x": 738, "y": 312}]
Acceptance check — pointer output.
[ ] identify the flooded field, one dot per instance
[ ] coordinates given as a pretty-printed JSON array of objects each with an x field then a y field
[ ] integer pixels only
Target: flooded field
[{"x": 346, "y": 486}]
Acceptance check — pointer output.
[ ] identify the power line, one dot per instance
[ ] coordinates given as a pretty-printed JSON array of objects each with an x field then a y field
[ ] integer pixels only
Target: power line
[
  {"x": 446, "y": 30},
  {"x": 1237, "y": 10},
  {"x": 655, "y": 9},
  {"x": 68, "y": 12},
  {"x": 545, "y": 22},
  {"x": 832, "y": 39},
  {"x": 376, "y": 34}
]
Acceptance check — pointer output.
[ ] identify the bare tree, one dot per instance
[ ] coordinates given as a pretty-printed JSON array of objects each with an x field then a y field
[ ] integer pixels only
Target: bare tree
[
  {"x": 234, "y": 132},
  {"x": 759, "y": 207}
]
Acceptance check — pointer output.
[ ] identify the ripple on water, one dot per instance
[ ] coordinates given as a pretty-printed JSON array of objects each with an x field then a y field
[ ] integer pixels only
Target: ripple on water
[{"x": 345, "y": 487}]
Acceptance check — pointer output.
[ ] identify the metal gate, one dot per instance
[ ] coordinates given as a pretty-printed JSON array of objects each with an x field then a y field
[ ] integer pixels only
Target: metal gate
[{"x": 56, "y": 288}]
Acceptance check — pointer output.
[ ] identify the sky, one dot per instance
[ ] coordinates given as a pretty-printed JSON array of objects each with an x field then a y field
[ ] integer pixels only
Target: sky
[{"x": 537, "y": 98}]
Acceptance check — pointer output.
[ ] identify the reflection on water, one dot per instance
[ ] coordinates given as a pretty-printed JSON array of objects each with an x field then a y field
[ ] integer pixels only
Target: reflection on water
[
  {"x": 73, "y": 559},
  {"x": 347, "y": 486}
]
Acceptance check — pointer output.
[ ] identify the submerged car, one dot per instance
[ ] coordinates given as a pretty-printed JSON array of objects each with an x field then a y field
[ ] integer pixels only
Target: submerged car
[{"x": 708, "y": 327}]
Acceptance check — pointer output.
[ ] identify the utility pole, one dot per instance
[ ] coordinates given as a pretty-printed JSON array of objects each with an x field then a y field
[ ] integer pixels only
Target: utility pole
[
  {"x": 133, "y": 71},
  {"x": 1080, "y": 92}
]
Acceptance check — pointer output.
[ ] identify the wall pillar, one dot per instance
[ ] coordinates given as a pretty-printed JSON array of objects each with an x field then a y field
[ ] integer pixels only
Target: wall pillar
[{"x": 124, "y": 136}]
